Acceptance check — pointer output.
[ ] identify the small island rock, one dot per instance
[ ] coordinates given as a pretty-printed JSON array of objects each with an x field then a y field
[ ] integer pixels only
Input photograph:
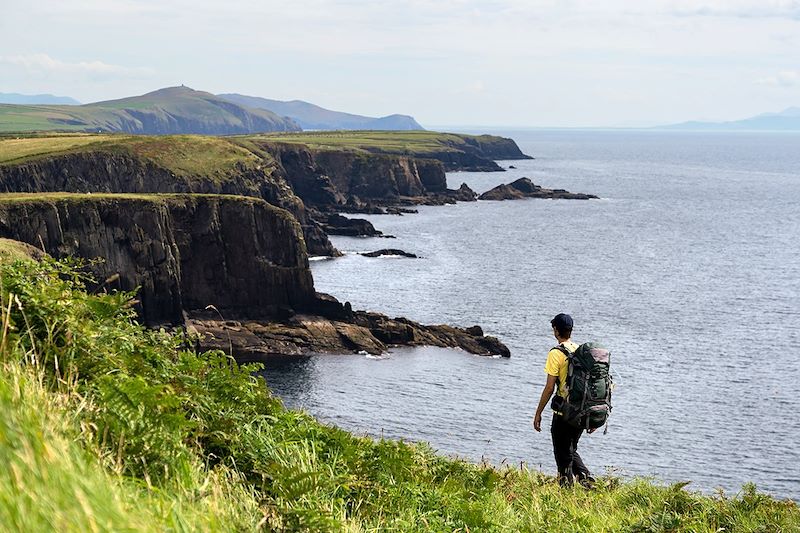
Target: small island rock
[
  {"x": 388, "y": 251},
  {"x": 525, "y": 188}
]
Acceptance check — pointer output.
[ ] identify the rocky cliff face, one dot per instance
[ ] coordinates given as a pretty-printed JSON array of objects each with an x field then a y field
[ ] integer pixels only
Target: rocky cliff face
[
  {"x": 492, "y": 147},
  {"x": 331, "y": 177},
  {"x": 118, "y": 172},
  {"x": 241, "y": 255}
]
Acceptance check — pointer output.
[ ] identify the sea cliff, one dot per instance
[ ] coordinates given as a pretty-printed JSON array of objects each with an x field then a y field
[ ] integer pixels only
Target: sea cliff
[{"x": 184, "y": 252}]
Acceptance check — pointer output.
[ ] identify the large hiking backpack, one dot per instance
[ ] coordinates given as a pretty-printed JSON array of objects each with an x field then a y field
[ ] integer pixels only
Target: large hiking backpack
[{"x": 588, "y": 400}]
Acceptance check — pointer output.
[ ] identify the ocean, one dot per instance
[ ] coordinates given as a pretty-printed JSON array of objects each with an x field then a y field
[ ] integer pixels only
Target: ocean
[{"x": 687, "y": 269}]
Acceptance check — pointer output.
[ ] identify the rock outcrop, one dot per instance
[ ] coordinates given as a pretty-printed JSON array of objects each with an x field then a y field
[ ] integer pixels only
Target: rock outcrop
[
  {"x": 464, "y": 194},
  {"x": 241, "y": 255},
  {"x": 332, "y": 177},
  {"x": 334, "y": 224},
  {"x": 525, "y": 188},
  {"x": 366, "y": 332},
  {"x": 389, "y": 252}
]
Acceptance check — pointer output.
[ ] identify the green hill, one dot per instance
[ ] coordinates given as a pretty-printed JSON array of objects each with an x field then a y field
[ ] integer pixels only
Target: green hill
[
  {"x": 174, "y": 110},
  {"x": 314, "y": 117}
]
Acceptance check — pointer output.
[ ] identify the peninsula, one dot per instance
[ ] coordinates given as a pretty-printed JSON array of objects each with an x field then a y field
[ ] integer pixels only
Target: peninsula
[{"x": 226, "y": 224}]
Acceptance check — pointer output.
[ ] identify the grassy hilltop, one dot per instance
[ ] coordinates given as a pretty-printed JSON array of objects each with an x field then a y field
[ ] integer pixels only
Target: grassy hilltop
[
  {"x": 172, "y": 110},
  {"x": 414, "y": 142},
  {"x": 107, "y": 426},
  {"x": 184, "y": 155}
]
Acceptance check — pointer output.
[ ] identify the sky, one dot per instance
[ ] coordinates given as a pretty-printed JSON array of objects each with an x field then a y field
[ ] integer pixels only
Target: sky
[{"x": 518, "y": 63}]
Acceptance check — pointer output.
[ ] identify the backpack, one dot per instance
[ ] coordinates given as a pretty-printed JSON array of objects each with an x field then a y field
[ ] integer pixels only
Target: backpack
[{"x": 588, "y": 400}]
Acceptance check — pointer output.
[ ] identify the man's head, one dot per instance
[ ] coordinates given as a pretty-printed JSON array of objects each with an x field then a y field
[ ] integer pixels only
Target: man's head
[{"x": 562, "y": 326}]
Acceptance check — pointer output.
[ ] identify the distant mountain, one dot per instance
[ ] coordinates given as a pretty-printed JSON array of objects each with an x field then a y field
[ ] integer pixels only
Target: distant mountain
[
  {"x": 173, "y": 110},
  {"x": 314, "y": 117},
  {"x": 26, "y": 99},
  {"x": 786, "y": 120}
]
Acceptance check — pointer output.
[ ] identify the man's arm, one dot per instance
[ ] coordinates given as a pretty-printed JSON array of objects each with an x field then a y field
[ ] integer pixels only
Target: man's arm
[{"x": 547, "y": 392}]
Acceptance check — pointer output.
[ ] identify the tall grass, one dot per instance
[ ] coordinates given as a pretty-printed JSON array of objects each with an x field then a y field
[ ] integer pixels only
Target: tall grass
[{"x": 107, "y": 426}]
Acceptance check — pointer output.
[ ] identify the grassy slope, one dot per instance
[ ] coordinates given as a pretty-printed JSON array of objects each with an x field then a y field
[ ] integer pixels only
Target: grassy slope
[
  {"x": 184, "y": 155},
  {"x": 106, "y": 426},
  {"x": 392, "y": 142},
  {"x": 15, "y": 251},
  {"x": 112, "y": 115}
]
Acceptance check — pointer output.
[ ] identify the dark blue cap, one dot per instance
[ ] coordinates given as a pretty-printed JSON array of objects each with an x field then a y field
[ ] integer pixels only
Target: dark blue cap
[{"x": 562, "y": 322}]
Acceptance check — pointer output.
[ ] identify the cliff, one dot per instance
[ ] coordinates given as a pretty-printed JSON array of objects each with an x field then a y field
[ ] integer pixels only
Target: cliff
[
  {"x": 330, "y": 177},
  {"x": 111, "y": 164},
  {"x": 208, "y": 259},
  {"x": 185, "y": 252},
  {"x": 353, "y": 171},
  {"x": 454, "y": 151}
]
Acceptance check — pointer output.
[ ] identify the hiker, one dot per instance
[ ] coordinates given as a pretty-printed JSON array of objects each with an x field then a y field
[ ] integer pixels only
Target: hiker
[{"x": 565, "y": 436}]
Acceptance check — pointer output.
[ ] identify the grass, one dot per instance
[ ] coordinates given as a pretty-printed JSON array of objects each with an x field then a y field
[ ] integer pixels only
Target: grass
[
  {"x": 21, "y": 118},
  {"x": 184, "y": 155},
  {"x": 107, "y": 426},
  {"x": 163, "y": 106},
  {"x": 393, "y": 142},
  {"x": 14, "y": 150},
  {"x": 11, "y": 251},
  {"x": 191, "y": 155}
]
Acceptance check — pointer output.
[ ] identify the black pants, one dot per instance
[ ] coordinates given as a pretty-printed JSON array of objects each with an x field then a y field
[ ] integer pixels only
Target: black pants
[{"x": 565, "y": 448}]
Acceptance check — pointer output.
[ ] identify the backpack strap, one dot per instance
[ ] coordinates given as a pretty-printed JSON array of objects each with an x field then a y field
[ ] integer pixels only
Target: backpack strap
[{"x": 564, "y": 350}]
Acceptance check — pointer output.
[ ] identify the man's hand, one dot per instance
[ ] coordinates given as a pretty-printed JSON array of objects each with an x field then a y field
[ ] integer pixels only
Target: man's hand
[{"x": 537, "y": 422}]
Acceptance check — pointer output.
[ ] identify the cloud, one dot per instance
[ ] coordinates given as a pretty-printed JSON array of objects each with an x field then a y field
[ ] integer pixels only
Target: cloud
[
  {"x": 748, "y": 9},
  {"x": 44, "y": 64},
  {"x": 784, "y": 78}
]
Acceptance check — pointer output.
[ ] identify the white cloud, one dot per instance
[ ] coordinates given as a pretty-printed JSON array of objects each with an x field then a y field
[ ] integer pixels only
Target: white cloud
[
  {"x": 784, "y": 78},
  {"x": 44, "y": 64},
  {"x": 789, "y": 9}
]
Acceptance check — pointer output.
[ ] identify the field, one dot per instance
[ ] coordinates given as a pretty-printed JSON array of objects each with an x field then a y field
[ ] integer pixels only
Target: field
[
  {"x": 393, "y": 142},
  {"x": 184, "y": 155}
]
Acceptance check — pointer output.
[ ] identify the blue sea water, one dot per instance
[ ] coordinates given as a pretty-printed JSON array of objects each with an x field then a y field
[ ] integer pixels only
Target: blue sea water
[{"x": 688, "y": 269}]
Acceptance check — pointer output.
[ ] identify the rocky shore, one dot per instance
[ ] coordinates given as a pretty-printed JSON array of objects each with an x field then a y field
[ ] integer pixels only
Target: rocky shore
[
  {"x": 234, "y": 270},
  {"x": 215, "y": 233},
  {"x": 362, "y": 332}
]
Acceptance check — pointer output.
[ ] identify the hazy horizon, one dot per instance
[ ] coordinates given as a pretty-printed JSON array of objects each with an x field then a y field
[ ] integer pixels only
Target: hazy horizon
[{"x": 496, "y": 63}]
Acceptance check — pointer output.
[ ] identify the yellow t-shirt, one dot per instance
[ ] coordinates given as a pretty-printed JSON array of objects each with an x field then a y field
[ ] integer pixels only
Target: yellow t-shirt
[{"x": 556, "y": 365}]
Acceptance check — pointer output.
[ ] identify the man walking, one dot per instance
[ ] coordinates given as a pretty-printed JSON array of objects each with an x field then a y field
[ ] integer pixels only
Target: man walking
[{"x": 565, "y": 437}]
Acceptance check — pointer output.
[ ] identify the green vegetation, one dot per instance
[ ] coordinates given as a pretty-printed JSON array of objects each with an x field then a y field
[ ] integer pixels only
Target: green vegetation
[
  {"x": 169, "y": 110},
  {"x": 18, "y": 150},
  {"x": 390, "y": 142},
  {"x": 217, "y": 158},
  {"x": 11, "y": 251},
  {"x": 107, "y": 426},
  {"x": 194, "y": 155}
]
